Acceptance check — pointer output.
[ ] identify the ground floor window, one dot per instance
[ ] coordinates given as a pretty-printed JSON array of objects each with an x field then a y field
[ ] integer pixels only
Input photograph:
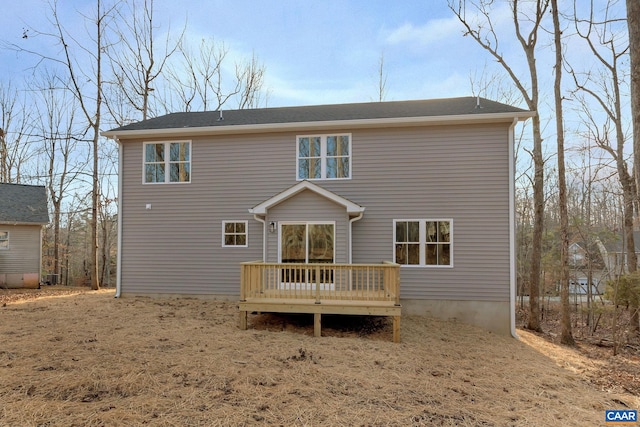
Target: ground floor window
[
  {"x": 4, "y": 240},
  {"x": 426, "y": 242},
  {"x": 234, "y": 234}
]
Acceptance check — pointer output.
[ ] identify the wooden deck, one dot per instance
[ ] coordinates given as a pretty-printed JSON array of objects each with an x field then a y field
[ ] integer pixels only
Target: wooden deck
[{"x": 350, "y": 289}]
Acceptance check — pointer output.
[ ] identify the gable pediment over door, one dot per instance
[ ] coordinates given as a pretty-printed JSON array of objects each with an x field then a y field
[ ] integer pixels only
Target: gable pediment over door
[{"x": 352, "y": 209}]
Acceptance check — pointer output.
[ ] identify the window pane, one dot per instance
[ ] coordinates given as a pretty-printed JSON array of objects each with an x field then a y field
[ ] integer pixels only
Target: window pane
[
  {"x": 401, "y": 231},
  {"x": 401, "y": 254},
  {"x": 180, "y": 172},
  {"x": 332, "y": 168},
  {"x": 343, "y": 145},
  {"x": 315, "y": 147},
  {"x": 303, "y": 147},
  {"x": 241, "y": 240},
  {"x": 413, "y": 229},
  {"x": 179, "y": 152},
  {"x": 444, "y": 254},
  {"x": 154, "y": 153},
  {"x": 413, "y": 254},
  {"x": 154, "y": 173},
  {"x": 443, "y": 231},
  {"x": 431, "y": 256},
  {"x": 229, "y": 240},
  {"x": 4, "y": 239},
  {"x": 432, "y": 231},
  {"x": 303, "y": 169},
  {"x": 314, "y": 168},
  {"x": 343, "y": 167},
  {"x": 240, "y": 227},
  {"x": 229, "y": 227},
  {"x": 332, "y": 146}
]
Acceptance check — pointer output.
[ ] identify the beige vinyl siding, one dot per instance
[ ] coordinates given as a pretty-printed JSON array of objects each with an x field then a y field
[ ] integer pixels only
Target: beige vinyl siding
[
  {"x": 23, "y": 255},
  {"x": 308, "y": 206},
  {"x": 457, "y": 172}
]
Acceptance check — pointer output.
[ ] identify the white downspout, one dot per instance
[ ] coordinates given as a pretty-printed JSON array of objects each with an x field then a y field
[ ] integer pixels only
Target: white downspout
[
  {"x": 264, "y": 236},
  {"x": 351, "y": 221},
  {"x": 119, "y": 246},
  {"x": 512, "y": 229}
]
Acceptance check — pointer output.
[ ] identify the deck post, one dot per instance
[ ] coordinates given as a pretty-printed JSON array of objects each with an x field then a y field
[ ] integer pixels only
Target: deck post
[
  {"x": 243, "y": 320},
  {"x": 396, "y": 329},
  {"x": 317, "y": 324}
]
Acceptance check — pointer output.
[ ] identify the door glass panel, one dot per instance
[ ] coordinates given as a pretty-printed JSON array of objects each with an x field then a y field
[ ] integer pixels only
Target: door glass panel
[
  {"x": 293, "y": 243},
  {"x": 320, "y": 243}
]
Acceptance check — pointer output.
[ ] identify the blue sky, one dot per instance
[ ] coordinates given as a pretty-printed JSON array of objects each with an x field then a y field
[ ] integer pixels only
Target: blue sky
[{"x": 315, "y": 52}]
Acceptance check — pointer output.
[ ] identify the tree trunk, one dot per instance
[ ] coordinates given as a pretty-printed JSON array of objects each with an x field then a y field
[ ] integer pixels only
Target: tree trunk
[{"x": 566, "y": 336}]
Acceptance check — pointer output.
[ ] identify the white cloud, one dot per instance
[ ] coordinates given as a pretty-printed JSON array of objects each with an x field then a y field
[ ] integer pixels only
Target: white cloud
[{"x": 431, "y": 32}]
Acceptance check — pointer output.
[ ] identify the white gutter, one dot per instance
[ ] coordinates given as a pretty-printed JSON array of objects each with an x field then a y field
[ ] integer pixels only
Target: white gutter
[
  {"x": 512, "y": 229},
  {"x": 329, "y": 124},
  {"x": 351, "y": 221},
  {"x": 264, "y": 237},
  {"x": 119, "y": 254}
]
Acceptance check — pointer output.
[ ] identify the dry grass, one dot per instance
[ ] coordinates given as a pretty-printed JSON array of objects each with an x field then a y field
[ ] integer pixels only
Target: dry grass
[{"x": 92, "y": 360}]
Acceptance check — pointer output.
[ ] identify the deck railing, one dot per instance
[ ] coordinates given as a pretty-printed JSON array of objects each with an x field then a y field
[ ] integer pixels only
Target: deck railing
[{"x": 345, "y": 282}]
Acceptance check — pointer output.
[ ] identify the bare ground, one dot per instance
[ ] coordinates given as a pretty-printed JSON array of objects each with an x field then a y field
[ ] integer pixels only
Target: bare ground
[{"x": 87, "y": 359}]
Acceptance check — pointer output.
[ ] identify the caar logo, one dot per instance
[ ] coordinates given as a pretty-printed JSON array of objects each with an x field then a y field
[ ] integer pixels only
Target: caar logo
[{"x": 620, "y": 417}]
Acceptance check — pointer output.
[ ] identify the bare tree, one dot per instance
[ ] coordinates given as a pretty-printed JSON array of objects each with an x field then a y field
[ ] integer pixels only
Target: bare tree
[
  {"x": 82, "y": 62},
  {"x": 382, "y": 79},
  {"x": 485, "y": 35},
  {"x": 250, "y": 83},
  {"x": 203, "y": 81},
  {"x": 603, "y": 87},
  {"x": 15, "y": 144},
  {"x": 56, "y": 113},
  {"x": 566, "y": 336},
  {"x": 633, "y": 25},
  {"x": 138, "y": 62}
]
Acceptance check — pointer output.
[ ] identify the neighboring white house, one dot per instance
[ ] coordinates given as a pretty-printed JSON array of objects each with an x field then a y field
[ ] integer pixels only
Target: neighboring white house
[{"x": 425, "y": 184}]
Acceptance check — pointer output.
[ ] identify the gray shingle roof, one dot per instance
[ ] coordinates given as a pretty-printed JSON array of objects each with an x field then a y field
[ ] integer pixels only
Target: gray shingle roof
[
  {"x": 23, "y": 204},
  {"x": 321, "y": 113}
]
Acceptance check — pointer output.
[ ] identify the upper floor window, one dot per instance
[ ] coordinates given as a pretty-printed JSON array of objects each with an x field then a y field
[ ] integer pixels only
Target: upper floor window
[
  {"x": 166, "y": 162},
  {"x": 4, "y": 240},
  {"x": 423, "y": 242},
  {"x": 324, "y": 157}
]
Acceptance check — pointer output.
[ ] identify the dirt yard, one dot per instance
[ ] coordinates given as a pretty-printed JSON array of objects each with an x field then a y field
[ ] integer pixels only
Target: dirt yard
[{"x": 88, "y": 359}]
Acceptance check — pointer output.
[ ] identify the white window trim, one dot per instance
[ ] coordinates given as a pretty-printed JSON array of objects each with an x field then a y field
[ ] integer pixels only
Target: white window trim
[
  {"x": 246, "y": 234},
  {"x": 167, "y": 174},
  {"x": 323, "y": 156},
  {"x": 423, "y": 241},
  {"x": 306, "y": 223},
  {"x": 8, "y": 240}
]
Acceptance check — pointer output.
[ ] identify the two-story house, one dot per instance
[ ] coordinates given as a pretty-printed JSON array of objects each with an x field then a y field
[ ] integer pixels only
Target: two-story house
[{"x": 302, "y": 193}]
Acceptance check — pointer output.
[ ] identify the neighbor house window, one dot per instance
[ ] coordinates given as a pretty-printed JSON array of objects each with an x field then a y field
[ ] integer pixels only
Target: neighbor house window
[
  {"x": 324, "y": 157},
  {"x": 167, "y": 162},
  {"x": 423, "y": 242},
  {"x": 234, "y": 233},
  {"x": 4, "y": 240}
]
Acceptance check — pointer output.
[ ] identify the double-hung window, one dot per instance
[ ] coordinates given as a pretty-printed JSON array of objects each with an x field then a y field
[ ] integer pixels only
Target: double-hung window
[
  {"x": 167, "y": 162},
  {"x": 234, "y": 234},
  {"x": 4, "y": 240},
  {"x": 426, "y": 242},
  {"x": 324, "y": 156}
]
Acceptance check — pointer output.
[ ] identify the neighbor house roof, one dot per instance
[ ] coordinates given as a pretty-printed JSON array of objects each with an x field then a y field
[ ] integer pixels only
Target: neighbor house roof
[
  {"x": 619, "y": 244},
  {"x": 397, "y": 113},
  {"x": 23, "y": 204}
]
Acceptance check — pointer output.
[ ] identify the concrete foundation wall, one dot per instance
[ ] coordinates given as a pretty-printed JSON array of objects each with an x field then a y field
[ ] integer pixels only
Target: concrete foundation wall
[{"x": 490, "y": 315}]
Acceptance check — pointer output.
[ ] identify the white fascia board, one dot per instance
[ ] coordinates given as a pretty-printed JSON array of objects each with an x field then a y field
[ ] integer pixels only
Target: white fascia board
[
  {"x": 332, "y": 124},
  {"x": 262, "y": 208}
]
